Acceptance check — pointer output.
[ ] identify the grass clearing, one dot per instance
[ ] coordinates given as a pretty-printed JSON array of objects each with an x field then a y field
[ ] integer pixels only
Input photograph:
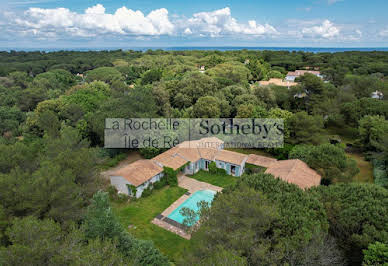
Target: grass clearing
[
  {"x": 220, "y": 180},
  {"x": 366, "y": 168},
  {"x": 141, "y": 212}
]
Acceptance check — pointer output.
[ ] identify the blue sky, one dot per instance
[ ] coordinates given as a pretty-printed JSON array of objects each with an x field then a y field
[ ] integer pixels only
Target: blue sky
[{"x": 111, "y": 23}]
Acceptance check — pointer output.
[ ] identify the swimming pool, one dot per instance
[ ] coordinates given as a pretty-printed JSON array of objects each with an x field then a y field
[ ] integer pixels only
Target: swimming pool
[{"x": 200, "y": 195}]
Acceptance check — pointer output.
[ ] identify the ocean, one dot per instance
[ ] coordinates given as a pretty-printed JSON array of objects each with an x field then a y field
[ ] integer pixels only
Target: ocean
[{"x": 218, "y": 48}]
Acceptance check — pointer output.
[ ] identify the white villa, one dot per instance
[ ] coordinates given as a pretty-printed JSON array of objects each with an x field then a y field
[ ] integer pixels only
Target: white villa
[
  {"x": 191, "y": 156},
  {"x": 291, "y": 76},
  {"x": 377, "y": 95},
  {"x": 278, "y": 82}
]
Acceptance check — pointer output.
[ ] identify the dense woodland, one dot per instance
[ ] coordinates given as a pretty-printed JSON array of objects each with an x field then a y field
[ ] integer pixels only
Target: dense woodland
[{"x": 53, "y": 208}]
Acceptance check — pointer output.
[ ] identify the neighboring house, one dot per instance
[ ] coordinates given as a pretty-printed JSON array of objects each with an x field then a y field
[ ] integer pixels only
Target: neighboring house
[
  {"x": 296, "y": 172},
  {"x": 191, "y": 156},
  {"x": 377, "y": 95},
  {"x": 292, "y": 171},
  {"x": 278, "y": 82},
  {"x": 291, "y": 76},
  {"x": 300, "y": 95},
  {"x": 202, "y": 69},
  {"x": 140, "y": 174}
]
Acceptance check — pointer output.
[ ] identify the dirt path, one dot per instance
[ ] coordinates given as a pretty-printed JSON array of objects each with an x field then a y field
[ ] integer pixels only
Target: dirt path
[
  {"x": 366, "y": 168},
  {"x": 132, "y": 157}
]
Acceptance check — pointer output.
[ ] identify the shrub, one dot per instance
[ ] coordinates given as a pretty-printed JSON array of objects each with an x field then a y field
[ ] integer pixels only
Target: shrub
[
  {"x": 376, "y": 254},
  {"x": 328, "y": 160},
  {"x": 122, "y": 197},
  {"x": 161, "y": 183},
  {"x": 132, "y": 189},
  {"x": 281, "y": 153},
  {"x": 213, "y": 168},
  {"x": 115, "y": 196},
  {"x": 147, "y": 191},
  {"x": 380, "y": 173},
  {"x": 171, "y": 176},
  {"x": 112, "y": 191},
  {"x": 150, "y": 152},
  {"x": 220, "y": 171},
  {"x": 253, "y": 169}
]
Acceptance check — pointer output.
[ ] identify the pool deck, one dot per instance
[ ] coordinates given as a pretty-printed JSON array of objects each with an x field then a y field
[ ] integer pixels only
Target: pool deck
[{"x": 192, "y": 186}]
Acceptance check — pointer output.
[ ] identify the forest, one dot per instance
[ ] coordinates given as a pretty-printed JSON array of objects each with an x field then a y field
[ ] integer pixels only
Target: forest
[{"x": 55, "y": 209}]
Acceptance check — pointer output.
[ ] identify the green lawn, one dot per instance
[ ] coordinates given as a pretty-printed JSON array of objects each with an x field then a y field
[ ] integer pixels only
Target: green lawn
[
  {"x": 214, "y": 179},
  {"x": 140, "y": 214},
  {"x": 366, "y": 169}
]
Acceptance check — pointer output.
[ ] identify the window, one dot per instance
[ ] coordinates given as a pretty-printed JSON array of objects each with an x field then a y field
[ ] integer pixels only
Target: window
[
  {"x": 233, "y": 169},
  {"x": 206, "y": 165}
]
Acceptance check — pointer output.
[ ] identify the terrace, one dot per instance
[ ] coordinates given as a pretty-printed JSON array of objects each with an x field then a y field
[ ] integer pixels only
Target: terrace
[{"x": 192, "y": 186}]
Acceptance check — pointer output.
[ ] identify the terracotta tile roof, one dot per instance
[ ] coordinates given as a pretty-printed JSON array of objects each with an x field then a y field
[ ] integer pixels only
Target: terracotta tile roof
[
  {"x": 210, "y": 142},
  {"x": 171, "y": 159},
  {"x": 208, "y": 154},
  {"x": 139, "y": 172},
  {"x": 189, "y": 144},
  {"x": 296, "y": 172},
  {"x": 260, "y": 160},
  {"x": 302, "y": 72},
  {"x": 190, "y": 154},
  {"x": 278, "y": 82},
  {"x": 230, "y": 157}
]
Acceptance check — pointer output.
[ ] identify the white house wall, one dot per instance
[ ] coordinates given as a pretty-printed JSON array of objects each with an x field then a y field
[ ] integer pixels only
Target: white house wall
[
  {"x": 192, "y": 168},
  {"x": 121, "y": 183}
]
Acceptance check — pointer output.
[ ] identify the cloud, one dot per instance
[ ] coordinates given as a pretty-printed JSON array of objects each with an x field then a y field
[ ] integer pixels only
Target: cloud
[
  {"x": 187, "y": 31},
  {"x": 326, "y": 30},
  {"x": 383, "y": 33},
  {"x": 220, "y": 22},
  {"x": 95, "y": 21},
  {"x": 330, "y": 2},
  {"x": 31, "y": 2}
]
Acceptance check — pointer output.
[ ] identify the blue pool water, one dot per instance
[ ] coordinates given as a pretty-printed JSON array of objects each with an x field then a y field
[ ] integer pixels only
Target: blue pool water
[{"x": 200, "y": 195}]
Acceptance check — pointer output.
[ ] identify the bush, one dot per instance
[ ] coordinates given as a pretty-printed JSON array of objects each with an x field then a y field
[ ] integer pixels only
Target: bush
[
  {"x": 213, "y": 168},
  {"x": 253, "y": 169},
  {"x": 122, "y": 197},
  {"x": 113, "y": 161},
  {"x": 132, "y": 189},
  {"x": 171, "y": 176},
  {"x": 281, "y": 153},
  {"x": 161, "y": 183},
  {"x": 150, "y": 152},
  {"x": 147, "y": 191},
  {"x": 112, "y": 191},
  {"x": 220, "y": 171},
  {"x": 376, "y": 254},
  {"x": 380, "y": 173},
  {"x": 328, "y": 160},
  {"x": 115, "y": 196}
]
